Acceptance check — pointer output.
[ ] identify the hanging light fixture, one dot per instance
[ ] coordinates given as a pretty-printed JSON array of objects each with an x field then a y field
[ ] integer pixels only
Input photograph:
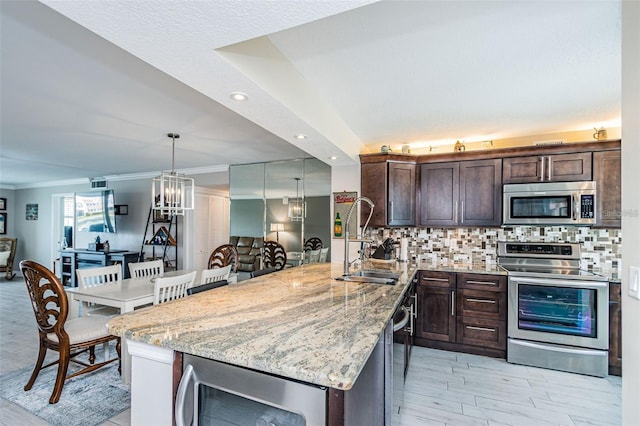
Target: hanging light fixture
[
  {"x": 296, "y": 208},
  {"x": 172, "y": 193}
]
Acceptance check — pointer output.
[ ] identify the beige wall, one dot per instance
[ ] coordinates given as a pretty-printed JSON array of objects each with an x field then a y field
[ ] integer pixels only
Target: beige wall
[{"x": 630, "y": 209}]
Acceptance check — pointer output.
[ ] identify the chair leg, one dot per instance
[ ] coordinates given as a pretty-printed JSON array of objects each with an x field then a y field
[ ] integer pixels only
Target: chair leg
[
  {"x": 63, "y": 365},
  {"x": 42, "y": 352},
  {"x": 92, "y": 354},
  {"x": 118, "y": 350}
]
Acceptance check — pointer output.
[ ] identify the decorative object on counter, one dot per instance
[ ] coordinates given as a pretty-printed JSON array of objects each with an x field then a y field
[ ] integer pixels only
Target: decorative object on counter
[
  {"x": 404, "y": 249},
  {"x": 600, "y": 135},
  {"x": 97, "y": 245},
  {"x": 173, "y": 193},
  {"x": 459, "y": 147},
  {"x": 337, "y": 226},
  {"x": 296, "y": 206},
  {"x": 406, "y": 149},
  {"x": 385, "y": 149},
  {"x": 31, "y": 212},
  {"x": 384, "y": 250},
  {"x": 342, "y": 202}
]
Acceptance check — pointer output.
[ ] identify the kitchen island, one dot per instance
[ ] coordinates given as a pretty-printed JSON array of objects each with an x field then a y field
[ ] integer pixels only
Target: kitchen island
[{"x": 298, "y": 323}]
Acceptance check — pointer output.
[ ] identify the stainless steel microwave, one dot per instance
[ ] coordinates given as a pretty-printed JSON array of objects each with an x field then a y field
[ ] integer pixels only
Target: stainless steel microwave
[{"x": 551, "y": 203}]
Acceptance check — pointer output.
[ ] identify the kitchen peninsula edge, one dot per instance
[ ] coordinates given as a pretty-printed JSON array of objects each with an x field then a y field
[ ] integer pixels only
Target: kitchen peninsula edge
[{"x": 298, "y": 323}]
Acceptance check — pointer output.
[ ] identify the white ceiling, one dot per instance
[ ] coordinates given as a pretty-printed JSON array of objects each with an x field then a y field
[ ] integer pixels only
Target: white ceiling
[{"x": 92, "y": 88}]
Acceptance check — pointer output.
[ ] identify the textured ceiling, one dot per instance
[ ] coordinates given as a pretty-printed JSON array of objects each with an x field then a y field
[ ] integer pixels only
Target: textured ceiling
[{"x": 92, "y": 88}]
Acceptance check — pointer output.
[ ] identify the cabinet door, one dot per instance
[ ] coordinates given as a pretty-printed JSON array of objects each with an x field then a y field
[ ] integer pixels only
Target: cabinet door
[
  {"x": 401, "y": 194},
  {"x": 482, "y": 304},
  {"x": 615, "y": 330},
  {"x": 481, "y": 193},
  {"x": 373, "y": 184},
  {"x": 569, "y": 167},
  {"x": 522, "y": 169},
  {"x": 436, "y": 297},
  {"x": 439, "y": 193},
  {"x": 607, "y": 169}
]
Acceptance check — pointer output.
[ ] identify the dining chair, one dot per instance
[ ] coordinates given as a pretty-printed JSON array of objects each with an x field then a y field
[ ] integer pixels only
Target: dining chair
[
  {"x": 93, "y": 277},
  {"x": 324, "y": 252},
  {"x": 68, "y": 337},
  {"x": 274, "y": 255},
  {"x": 312, "y": 256},
  {"x": 222, "y": 256},
  {"x": 217, "y": 274},
  {"x": 150, "y": 269},
  {"x": 172, "y": 288},
  {"x": 313, "y": 243}
]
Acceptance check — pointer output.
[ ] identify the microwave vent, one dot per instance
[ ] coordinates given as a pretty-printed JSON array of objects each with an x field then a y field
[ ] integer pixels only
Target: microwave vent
[
  {"x": 551, "y": 142},
  {"x": 98, "y": 183}
]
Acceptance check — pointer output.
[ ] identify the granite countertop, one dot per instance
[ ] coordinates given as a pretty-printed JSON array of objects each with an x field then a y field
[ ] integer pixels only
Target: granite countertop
[
  {"x": 451, "y": 266},
  {"x": 297, "y": 323}
]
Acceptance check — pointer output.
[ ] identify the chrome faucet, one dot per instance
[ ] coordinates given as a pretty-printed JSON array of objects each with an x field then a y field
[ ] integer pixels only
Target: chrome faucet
[{"x": 346, "y": 232}]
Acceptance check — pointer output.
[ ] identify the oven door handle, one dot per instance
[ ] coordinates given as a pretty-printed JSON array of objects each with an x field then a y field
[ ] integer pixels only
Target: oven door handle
[
  {"x": 188, "y": 376},
  {"x": 405, "y": 319},
  {"x": 561, "y": 283}
]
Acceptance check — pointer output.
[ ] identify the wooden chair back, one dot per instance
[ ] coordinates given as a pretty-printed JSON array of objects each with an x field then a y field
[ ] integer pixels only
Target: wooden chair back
[
  {"x": 274, "y": 255},
  {"x": 172, "y": 288},
  {"x": 222, "y": 256},
  {"x": 313, "y": 243}
]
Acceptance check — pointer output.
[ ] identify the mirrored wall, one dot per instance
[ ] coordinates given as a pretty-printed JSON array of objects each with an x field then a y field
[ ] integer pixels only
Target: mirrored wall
[{"x": 286, "y": 201}]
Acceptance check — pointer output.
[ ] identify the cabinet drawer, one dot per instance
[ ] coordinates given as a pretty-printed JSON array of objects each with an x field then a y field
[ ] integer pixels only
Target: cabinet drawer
[
  {"x": 482, "y": 304},
  {"x": 484, "y": 282},
  {"x": 437, "y": 279},
  {"x": 484, "y": 332}
]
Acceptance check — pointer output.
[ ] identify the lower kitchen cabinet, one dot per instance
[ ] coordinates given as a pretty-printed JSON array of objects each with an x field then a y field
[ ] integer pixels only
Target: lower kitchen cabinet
[
  {"x": 463, "y": 312},
  {"x": 615, "y": 329}
]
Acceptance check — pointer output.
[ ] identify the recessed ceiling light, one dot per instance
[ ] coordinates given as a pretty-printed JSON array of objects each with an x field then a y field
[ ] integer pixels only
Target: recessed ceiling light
[
  {"x": 301, "y": 136},
  {"x": 333, "y": 157},
  {"x": 239, "y": 96}
]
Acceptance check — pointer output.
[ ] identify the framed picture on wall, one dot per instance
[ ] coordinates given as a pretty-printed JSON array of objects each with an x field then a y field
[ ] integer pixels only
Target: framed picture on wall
[
  {"x": 3, "y": 223},
  {"x": 3, "y": 203},
  {"x": 342, "y": 202},
  {"x": 31, "y": 212}
]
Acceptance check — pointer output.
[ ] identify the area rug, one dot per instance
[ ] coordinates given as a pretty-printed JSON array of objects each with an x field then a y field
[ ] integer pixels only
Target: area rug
[{"x": 88, "y": 399}]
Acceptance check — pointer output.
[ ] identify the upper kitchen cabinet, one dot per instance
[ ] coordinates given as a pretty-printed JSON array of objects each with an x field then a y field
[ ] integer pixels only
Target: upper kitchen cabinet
[
  {"x": 391, "y": 185},
  {"x": 607, "y": 168},
  {"x": 547, "y": 168},
  {"x": 461, "y": 193}
]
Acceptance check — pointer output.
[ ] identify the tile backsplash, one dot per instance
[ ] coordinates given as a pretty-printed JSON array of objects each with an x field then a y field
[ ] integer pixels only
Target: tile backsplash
[{"x": 601, "y": 248}]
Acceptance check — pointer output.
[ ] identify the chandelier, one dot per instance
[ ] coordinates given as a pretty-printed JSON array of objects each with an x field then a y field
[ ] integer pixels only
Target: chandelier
[
  {"x": 172, "y": 193},
  {"x": 296, "y": 207}
]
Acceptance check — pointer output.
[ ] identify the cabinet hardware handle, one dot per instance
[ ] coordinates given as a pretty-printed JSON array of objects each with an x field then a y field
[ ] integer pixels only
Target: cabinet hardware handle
[
  {"x": 455, "y": 212},
  {"x": 481, "y": 301},
  {"x": 548, "y": 167},
  {"x": 453, "y": 303},
  {"x": 542, "y": 168},
  {"x": 471, "y": 327},
  {"x": 491, "y": 283},
  {"x": 390, "y": 211},
  {"x": 435, "y": 279},
  {"x": 415, "y": 306}
]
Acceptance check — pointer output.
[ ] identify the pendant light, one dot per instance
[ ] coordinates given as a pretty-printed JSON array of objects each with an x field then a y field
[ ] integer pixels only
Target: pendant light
[
  {"x": 296, "y": 209},
  {"x": 172, "y": 193}
]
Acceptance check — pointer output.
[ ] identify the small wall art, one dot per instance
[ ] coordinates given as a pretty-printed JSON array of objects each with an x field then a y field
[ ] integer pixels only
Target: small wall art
[
  {"x": 3, "y": 203},
  {"x": 342, "y": 202},
  {"x": 3, "y": 223},
  {"x": 31, "y": 212}
]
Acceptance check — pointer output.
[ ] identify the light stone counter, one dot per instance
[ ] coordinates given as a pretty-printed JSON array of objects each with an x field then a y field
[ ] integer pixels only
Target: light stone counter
[
  {"x": 297, "y": 323},
  {"x": 451, "y": 266}
]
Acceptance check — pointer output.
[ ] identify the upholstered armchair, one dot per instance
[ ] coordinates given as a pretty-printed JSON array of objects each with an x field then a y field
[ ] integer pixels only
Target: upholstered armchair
[
  {"x": 7, "y": 255},
  {"x": 249, "y": 250}
]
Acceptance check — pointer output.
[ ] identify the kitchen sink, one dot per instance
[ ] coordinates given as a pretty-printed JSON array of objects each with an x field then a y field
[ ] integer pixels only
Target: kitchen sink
[{"x": 371, "y": 276}]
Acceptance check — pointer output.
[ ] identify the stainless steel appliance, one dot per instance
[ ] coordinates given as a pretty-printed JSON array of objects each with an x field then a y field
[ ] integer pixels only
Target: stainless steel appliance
[
  {"x": 558, "y": 314},
  {"x": 404, "y": 329},
  {"x": 550, "y": 203},
  {"x": 212, "y": 393}
]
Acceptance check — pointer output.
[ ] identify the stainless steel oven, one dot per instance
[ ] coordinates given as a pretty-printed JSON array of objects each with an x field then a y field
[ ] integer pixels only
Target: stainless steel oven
[
  {"x": 550, "y": 203},
  {"x": 558, "y": 314}
]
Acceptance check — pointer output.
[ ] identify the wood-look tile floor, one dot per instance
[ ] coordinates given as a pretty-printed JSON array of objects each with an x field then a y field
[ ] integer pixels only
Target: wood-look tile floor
[{"x": 442, "y": 388}]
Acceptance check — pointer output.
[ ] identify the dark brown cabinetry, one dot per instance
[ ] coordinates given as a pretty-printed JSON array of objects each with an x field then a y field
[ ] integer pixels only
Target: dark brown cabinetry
[
  {"x": 466, "y": 193},
  {"x": 391, "y": 186},
  {"x": 547, "y": 168},
  {"x": 607, "y": 170},
  {"x": 463, "y": 312},
  {"x": 615, "y": 329}
]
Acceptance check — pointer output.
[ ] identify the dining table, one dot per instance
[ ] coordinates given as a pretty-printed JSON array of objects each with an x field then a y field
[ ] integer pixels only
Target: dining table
[{"x": 127, "y": 295}]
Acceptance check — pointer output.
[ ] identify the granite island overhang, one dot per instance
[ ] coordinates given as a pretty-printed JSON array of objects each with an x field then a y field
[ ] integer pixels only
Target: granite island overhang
[{"x": 298, "y": 323}]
